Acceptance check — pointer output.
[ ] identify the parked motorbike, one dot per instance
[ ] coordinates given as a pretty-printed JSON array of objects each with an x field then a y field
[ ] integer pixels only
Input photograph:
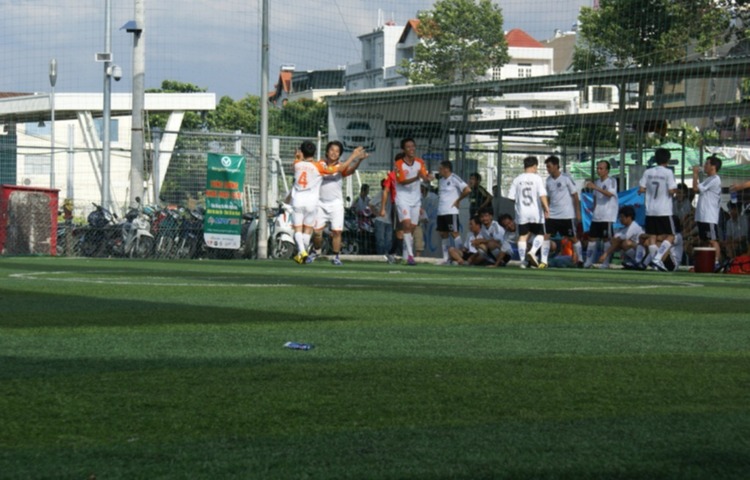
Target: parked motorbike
[
  {"x": 191, "y": 243},
  {"x": 99, "y": 237},
  {"x": 166, "y": 231},
  {"x": 137, "y": 239},
  {"x": 281, "y": 233}
]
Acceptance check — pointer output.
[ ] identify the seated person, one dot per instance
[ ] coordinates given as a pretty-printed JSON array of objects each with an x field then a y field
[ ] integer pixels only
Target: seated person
[
  {"x": 625, "y": 240},
  {"x": 510, "y": 241},
  {"x": 493, "y": 242},
  {"x": 469, "y": 254}
]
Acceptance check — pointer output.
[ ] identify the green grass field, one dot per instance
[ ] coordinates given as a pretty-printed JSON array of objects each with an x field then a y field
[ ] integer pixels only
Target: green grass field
[{"x": 147, "y": 369}]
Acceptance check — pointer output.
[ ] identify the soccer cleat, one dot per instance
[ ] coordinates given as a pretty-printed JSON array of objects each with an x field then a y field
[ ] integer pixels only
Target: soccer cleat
[
  {"x": 445, "y": 262},
  {"x": 579, "y": 264},
  {"x": 658, "y": 265},
  {"x": 311, "y": 257},
  {"x": 542, "y": 266},
  {"x": 300, "y": 258},
  {"x": 523, "y": 264},
  {"x": 604, "y": 266},
  {"x": 628, "y": 265},
  {"x": 718, "y": 267},
  {"x": 336, "y": 261},
  {"x": 390, "y": 259},
  {"x": 532, "y": 260},
  {"x": 410, "y": 261}
]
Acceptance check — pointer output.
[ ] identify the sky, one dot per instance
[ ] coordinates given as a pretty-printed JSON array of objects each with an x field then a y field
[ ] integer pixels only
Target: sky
[{"x": 214, "y": 44}]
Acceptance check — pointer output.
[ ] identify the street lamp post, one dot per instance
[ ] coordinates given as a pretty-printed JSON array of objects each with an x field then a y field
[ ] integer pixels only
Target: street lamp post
[{"x": 52, "y": 82}]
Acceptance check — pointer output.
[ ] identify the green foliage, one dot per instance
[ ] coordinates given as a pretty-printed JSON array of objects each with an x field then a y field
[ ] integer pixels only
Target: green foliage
[
  {"x": 461, "y": 40},
  {"x": 192, "y": 120},
  {"x": 624, "y": 33}
]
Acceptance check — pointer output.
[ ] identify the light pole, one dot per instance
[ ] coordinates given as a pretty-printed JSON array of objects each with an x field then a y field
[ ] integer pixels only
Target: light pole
[
  {"x": 52, "y": 82},
  {"x": 106, "y": 104}
]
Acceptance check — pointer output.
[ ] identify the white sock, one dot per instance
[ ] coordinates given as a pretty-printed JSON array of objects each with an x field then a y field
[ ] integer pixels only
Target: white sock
[
  {"x": 306, "y": 238},
  {"x": 591, "y": 252},
  {"x": 652, "y": 249},
  {"x": 445, "y": 243},
  {"x": 663, "y": 248},
  {"x": 299, "y": 239},
  {"x": 578, "y": 249},
  {"x": 536, "y": 244},
  {"x": 408, "y": 245},
  {"x": 545, "y": 251},
  {"x": 606, "y": 248},
  {"x": 640, "y": 252},
  {"x": 522, "y": 251}
]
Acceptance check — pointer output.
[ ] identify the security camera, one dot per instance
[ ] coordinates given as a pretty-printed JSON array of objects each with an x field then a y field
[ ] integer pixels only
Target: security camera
[{"x": 115, "y": 72}]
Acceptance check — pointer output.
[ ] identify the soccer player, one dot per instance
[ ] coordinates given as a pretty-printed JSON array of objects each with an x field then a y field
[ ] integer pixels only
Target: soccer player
[
  {"x": 498, "y": 249},
  {"x": 626, "y": 239},
  {"x": 308, "y": 176},
  {"x": 451, "y": 190},
  {"x": 409, "y": 171},
  {"x": 479, "y": 197},
  {"x": 532, "y": 208},
  {"x": 331, "y": 200},
  {"x": 658, "y": 183},
  {"x": 605, "y": 213},
  {"x": 468, "y": 253},
  {"x": 709, "y": 204},
  {"x": 564, "y": 208}
]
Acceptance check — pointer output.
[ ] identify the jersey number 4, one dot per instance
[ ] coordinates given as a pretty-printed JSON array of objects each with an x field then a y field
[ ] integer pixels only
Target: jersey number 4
[{"x": 302, "y": 180}]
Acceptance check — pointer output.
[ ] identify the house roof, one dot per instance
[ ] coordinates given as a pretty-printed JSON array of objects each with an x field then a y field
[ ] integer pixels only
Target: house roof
[
  {"x": 412, "y": 24},
  {"x": 284, "y": 85},
  {"x": 521, "y": 39}
]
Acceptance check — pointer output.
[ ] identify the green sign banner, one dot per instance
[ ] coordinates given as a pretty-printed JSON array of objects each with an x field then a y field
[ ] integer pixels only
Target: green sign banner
[{"x": 224, "y": 183}]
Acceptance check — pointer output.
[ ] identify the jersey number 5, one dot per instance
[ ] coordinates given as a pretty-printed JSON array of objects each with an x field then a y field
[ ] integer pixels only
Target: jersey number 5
[{"x": 526, "y": 197}]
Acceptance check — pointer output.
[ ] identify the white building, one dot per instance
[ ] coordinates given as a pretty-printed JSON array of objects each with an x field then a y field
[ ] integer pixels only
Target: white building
[{"x": 380, "y": 60}]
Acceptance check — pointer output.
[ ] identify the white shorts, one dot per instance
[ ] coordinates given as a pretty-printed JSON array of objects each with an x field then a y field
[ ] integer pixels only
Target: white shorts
[
  {"x": 304, "y": 215},
  {"x": 330, "y": 212},
  {"x": 408, "y": 212}
]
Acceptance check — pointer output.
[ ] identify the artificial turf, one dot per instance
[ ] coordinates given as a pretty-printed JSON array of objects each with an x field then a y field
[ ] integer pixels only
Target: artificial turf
[{"x": 163, "y": 369}]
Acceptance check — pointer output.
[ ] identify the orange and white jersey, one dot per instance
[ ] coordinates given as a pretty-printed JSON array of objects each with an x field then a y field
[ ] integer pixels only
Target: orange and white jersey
[
  {"x": 331, "y": 190},
  {"x": 409, "y": 194},
  {"x": 308, "y": 176}
]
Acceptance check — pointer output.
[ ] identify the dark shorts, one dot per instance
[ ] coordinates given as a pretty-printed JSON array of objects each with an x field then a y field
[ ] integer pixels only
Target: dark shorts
[
  {"x": 535, "y": 228},
  {"x": 708, "y": 231},
  {"x": 600, "y": 230},
  {"x": 447, "y": 223},
  {"x": 565, "y": 227},
  {"x": 660, "y": 225}
]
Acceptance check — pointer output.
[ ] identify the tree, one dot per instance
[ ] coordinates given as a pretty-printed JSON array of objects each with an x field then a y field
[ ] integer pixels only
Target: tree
[
  {"x": 460, "y": 41},
  {"x": 623, "y": 33},
  {"x": 192, "y": 120}
]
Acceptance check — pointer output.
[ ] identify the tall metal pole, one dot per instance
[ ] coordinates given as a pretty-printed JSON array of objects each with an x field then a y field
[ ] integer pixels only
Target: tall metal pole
[
  {"x": 52, "y": 82},
  {"x": 263, "y": 214},
  {"x": 136, "y": 135},
  {"x": 106, "y": 105}
]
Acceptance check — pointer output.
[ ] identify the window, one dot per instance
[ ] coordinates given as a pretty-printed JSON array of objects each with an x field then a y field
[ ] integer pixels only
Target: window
[
  {"x": 514, "y": 113},
  {"x": 497, "y": 73},
  {"x": 36, "y": 165},
  {"x": 601, "y": 94},
  {"x": 35, "y": 130},
  {"x": 524, "y": 70},
  {"x": 538, "y": 113},
  {"x": 114, "y": 128}
]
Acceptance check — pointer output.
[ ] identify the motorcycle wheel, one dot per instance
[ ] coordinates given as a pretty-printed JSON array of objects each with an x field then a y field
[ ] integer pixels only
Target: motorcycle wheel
[
  {"x": 283, "y": 250},
  {"x": 144, "y": 247}
]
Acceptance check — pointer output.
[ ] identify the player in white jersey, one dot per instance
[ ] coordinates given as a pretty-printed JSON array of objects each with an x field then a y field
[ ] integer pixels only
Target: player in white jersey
[
  {"x": 625, "y": 240},
  {"x": 308, "y": 176},
  {"x": 709, "y": 204},
  {"x": 469, "y": 253},
  {"x": 532, "y": 208},
  {"x": 409, "y": 171},
  {"x": 498, "y": 250},
  {"x": 331, "y": 199},
  {"x": 564, "y": 209},
  {"x": 451, "y": 190},
  {"x": 659, "y": 185},
  {"x": 605, "y": 213}
]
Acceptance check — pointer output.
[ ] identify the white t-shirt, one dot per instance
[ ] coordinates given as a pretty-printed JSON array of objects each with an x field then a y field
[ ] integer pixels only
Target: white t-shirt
[
  {"x": 632, "y": 232},
  {"x": 494, "y": 231},
  {"x": 308, "y": 176},
  {"x": 331, "y": 188},
  {"x": 409, "y": 194},
  {"x": 449, "y": 189},
  {"x": 658, "y": 181},
  {"x": 470, "y": 237},
  {"x": 605, "y": 208},
  {"x": 709, "y": 200},
  {"x": 526, "y": 190},
  {"x": 560, "y": 191}
]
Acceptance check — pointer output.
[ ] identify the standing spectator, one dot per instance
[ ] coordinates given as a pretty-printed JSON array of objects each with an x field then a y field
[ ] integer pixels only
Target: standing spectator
[
  {"x": 659, "y": 185},
  {"x": 564, "y": 208},
  {"x": 451, "y": 190},
  {"x": 383, "y": 208},
  {"x": 409, "y": 171},
  {"x": 605, "y": 213},
  {"x": 479, "y": 197},
  {"x": 709, "y": 204},
  {"x": 532, "y": 208},
  {"x": 736, "y": 231}
]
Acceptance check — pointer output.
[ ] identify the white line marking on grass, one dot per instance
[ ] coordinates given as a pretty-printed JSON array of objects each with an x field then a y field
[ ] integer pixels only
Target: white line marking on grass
[
  {"x": 168, "y": 282},
  {"x": 618, "y": 287}
]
